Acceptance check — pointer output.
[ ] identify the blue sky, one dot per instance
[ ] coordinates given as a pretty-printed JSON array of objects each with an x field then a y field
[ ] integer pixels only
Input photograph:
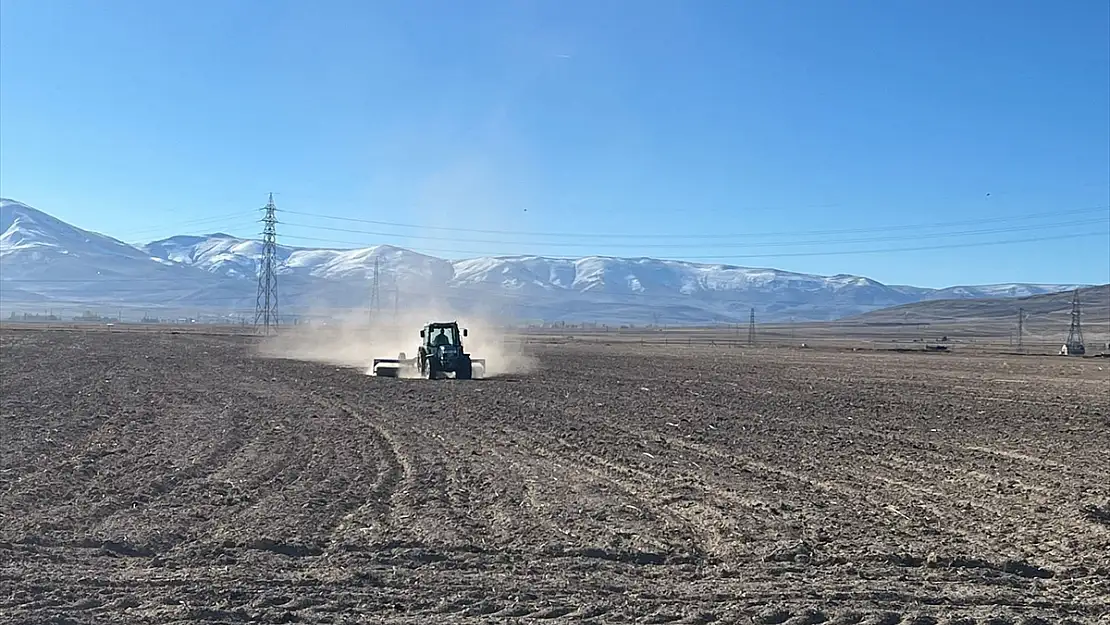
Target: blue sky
[{"x": 773, "y": 121}]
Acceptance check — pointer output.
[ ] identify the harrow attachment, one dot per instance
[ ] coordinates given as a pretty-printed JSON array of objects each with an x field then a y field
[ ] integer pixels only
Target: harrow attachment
[{"x": 395, "y": 367}]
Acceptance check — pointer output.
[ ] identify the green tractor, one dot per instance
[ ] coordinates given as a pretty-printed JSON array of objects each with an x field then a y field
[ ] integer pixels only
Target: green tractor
[{"x": 440, "y": 353}]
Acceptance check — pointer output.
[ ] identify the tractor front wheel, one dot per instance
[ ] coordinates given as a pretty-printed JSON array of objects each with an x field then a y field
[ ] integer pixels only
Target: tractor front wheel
[{"x": 465, "y": 370}]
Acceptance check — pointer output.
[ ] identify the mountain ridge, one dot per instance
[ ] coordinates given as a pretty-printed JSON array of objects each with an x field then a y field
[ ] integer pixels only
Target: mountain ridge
[
  {"x": 1094, "y": 302},
  {"x": 218, "y": 271}
]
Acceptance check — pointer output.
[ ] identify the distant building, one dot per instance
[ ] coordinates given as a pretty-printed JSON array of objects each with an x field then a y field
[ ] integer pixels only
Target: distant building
[{"x": 32, "y": 317}]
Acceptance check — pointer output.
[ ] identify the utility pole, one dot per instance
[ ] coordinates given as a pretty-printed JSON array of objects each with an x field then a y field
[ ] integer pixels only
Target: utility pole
[
  {"x": 1021, "y": 328},
  {"x": 751, "y": 327},
  {"x": 266, "y": 306},
  {"x": 375, "y": 295}
]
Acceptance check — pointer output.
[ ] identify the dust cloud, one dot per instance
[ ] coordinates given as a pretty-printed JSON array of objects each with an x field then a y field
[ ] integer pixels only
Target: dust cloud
[
  {"x": 487, "y": 187},
  {"x": 353, "y": 341}
]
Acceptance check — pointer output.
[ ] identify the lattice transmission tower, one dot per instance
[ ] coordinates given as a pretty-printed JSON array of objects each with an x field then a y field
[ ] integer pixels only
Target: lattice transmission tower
[
  {"x": 1075, "y": 332},
  {"x": 751, "y": 327},
  {"x": 266, "y": 306}
]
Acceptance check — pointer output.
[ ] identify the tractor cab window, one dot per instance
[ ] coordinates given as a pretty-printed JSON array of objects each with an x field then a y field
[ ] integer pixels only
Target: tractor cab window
[{"x": 441, "y": 336}]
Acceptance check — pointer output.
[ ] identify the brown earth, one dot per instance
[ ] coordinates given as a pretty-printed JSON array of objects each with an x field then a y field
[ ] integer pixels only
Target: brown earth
[{"x": 158, "y": 478}]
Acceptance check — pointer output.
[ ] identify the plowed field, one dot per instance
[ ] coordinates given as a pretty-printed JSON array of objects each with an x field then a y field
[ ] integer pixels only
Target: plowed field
[{"x": 159, "y": 478}]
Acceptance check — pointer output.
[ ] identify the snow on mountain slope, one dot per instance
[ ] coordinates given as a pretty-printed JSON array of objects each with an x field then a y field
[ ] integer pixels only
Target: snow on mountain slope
[
  {"x": 229, "y": 256},
  {"x": 394, "y": 264},
  {"x": 524, "y": 275},
  {"x": 1001, "y": 290},
  {"x": 215, "y": 253},
  {"x": 46, "y": 257},
  {"x": 26, "y": 231},
  {"x": 722, "y": 291},
  {"x": 639, "y": 276}
]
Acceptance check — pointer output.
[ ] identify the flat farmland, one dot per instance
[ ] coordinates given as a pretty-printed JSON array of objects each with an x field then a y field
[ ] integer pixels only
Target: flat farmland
[{"x": 149, "y": 477}]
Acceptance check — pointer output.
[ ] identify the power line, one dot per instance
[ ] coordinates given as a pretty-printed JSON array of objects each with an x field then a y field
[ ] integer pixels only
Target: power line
[
  {"x": 914, "y": 237},
  {"x": 464, "y": 292},
  {"x": 687, "y": 258},
  {"x": 470, "y": 292},
  {"x": 738, "y": 256},
  {"x": 143, "y": 280},
  {"x": 715, "y": 257},
  {"x": 224, "y": 227},
  {"x": 190, "y": 222},
  {"x": 620, "y": 235}
]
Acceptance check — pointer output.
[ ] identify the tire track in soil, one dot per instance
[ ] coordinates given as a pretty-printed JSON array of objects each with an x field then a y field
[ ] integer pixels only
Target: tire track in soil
[
  {"x": 453, "y": 441},
  {"x": 393, "y": 469},
  {"x": 1013, "y": 511},
  {"x": 856, "y": 490},
  {"x": 105, "y": 486},
  {"x": 959, "y": 459},
  {"x": 425, "y": 509},
  {"x": 228, "y": 483},
  {"x": 778, "y": 472},
  {"x": 722, "y": 535},
  {"x": 435, "y": 453},
  {"x": 909, "y": 597},
  {"x": 314, "y": 473},
  {"x": 770, "y": 478},
  {"x": 863, "y": 481},
  {"x": 634, "y": 485},
  {"x": 984, "y": 545},
  {"x": 562, "y": 495},
  {"x": 465, "y": 465}
]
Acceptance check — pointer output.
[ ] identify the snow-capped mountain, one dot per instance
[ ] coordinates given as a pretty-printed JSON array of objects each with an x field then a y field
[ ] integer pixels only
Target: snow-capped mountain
[
  {"x": 42, "y": 241},
  {"x": 225, "y": 255},
  {"x": 45, "y": 259}
]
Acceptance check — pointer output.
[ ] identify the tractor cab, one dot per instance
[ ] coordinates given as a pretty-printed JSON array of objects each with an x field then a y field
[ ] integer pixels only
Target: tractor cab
[{"x": 445, "y": 334}]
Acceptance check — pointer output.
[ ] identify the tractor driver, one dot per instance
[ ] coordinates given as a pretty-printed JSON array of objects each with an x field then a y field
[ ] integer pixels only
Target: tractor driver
[{"x": 441, "y": 339}]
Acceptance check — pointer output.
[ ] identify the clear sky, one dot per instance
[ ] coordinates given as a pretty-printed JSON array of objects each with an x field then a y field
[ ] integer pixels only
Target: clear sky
[{"x": 772, "y": 121}]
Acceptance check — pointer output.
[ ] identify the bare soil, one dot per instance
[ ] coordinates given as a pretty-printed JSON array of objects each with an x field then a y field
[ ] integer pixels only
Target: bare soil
[{"x": 160, "y": 478}]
